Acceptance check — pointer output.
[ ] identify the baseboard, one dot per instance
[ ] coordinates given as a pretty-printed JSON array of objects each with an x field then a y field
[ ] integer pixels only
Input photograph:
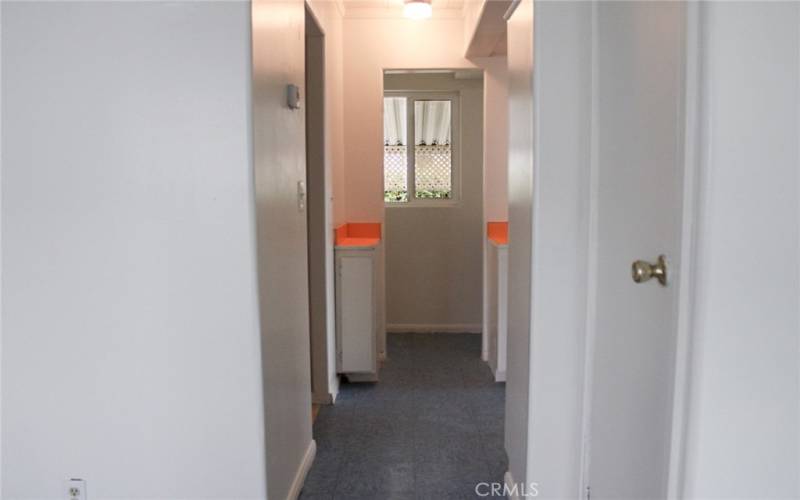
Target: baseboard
[
  {"x": 335, "y": 389},
  {"x": 431, "y": 328},
  {"x": 500, "y": 376},
  {"x": 302, "y": 472},
  {"x": 324, "y": 398},
  {"x": 511, "y": 486}
]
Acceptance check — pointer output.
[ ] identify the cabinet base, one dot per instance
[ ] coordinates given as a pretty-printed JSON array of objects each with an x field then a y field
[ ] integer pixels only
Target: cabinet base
[{"x": 361, "y": 377}]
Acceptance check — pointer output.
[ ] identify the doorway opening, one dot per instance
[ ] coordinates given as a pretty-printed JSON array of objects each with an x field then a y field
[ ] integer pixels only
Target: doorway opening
[
  {"x": 320, "y": 249},
  {"x": 431, "y": 420}
]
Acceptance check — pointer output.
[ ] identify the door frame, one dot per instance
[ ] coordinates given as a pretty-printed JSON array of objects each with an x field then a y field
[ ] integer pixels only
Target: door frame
[
  {"x": 554, "y": 452},
  {"x": 684, "y": 275},
  {"x": 324, "y": 381}
]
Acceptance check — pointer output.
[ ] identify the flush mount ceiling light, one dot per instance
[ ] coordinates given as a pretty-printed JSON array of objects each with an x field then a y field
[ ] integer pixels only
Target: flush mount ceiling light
[{"x": 417, "y": 9}]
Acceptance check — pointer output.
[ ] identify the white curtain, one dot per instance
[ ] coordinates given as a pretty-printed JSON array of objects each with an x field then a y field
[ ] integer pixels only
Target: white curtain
[
  {"x": 431, "y": 122},
  {"x": 394, "y": 121}
]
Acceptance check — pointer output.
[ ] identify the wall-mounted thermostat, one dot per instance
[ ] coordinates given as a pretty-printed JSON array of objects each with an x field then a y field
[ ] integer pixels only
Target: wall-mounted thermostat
[{"x": 293, "y": 96}]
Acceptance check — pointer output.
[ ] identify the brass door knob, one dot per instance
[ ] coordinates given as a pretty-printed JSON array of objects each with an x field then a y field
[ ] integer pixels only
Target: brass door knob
[{"x": 642, "y": 271}]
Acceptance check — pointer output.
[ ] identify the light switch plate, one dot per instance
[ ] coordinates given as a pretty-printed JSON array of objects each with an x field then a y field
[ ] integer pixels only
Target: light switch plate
[
  {"x": 301, "y": 196},
  {"x": 75, "y": 489}
]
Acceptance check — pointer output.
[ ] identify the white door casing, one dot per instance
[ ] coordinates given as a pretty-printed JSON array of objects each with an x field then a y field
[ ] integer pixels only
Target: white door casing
[
  {"x": 520, "y": 201},
  {"x": 638, "y": 100}
]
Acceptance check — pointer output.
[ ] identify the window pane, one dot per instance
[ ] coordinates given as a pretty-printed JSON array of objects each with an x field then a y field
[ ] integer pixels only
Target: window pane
[
  {"x": 433, "y": 173},
  {"x": 395, "y": 150}
]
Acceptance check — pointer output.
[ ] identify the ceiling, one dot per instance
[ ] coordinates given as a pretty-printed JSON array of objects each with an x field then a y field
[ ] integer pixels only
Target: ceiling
[{"x": 395, "y": 7}]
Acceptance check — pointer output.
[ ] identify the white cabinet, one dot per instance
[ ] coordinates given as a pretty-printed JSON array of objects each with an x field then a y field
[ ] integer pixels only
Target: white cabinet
[{"x": 357, "y": 313}]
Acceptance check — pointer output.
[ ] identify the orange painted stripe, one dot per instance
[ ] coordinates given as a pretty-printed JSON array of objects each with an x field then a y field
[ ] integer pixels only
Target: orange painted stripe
[{"x": 497, "y": 232}]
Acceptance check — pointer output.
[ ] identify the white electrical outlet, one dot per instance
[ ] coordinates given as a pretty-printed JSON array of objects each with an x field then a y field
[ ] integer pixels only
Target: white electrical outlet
[{"x": 76, "y": 489}]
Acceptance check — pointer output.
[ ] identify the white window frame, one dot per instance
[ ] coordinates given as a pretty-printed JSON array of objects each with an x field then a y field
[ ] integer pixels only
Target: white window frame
[{"x": 455, "y": 149}]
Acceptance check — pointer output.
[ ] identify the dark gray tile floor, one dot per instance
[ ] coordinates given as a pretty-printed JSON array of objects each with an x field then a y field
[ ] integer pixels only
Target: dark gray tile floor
[{"x": 432, "y": 428}]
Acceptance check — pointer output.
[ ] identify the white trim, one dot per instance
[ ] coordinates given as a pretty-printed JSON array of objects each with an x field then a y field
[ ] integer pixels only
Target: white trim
[
  {"x": 1, "y": 259},
  {"x": 511, "y": 8},
  {"x": 335, "y": 389},
  {"x": 500, "y": 376},
  {"x": 327, "y": 398},
  {"x": 485, "y": 272},
  {"x": 590, "y": 334},
  {"x": 475, "y": 328},
  {"x": 798, "y": 224},
  {"x": 692, "y": 146},
  {"x": 508, "y": 479},
  {"x": 302, "y": 472}
]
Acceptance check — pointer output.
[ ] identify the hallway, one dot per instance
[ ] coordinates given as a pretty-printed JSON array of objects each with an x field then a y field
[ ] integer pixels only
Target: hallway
[{"x": 431, "y": 428}]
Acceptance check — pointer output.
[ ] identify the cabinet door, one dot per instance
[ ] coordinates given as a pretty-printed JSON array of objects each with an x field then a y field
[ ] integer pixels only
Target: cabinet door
[{"x": 356, "y": 314}]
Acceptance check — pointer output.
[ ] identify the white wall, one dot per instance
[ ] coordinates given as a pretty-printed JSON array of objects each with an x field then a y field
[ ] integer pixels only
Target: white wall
[
  {"x": 739, "y": 401},
  {"x": 520, "y": 205},
  {"x": 130, "y": 316},
  {"x": 472, "y": 10},
  {"x": 495, "y": 163},
  {"x": 495, "y": 137},
  {"x": 560, "y": 251},
  {"x": 433, "y": 254},
  {"x": 743, "y": 415},
  {"x": 329, "y": 15},
  {"x": 370, "y": 46}
]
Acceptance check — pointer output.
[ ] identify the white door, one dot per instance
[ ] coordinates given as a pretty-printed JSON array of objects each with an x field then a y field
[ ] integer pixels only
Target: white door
[{"x": 639, "y": 105}]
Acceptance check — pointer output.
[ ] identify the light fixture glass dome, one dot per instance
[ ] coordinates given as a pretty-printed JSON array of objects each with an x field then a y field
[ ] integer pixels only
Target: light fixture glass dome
[{"x": 417, "y": 9}]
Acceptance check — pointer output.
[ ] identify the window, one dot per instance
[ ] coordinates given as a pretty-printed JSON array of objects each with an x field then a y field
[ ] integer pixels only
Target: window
[{"x": 424, "y": 174}]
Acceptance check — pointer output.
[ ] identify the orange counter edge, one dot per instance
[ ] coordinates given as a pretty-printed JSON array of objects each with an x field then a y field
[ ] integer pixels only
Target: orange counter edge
[
  {"x": 358, "y": 234},
  {"x": 497, "y": 232}
]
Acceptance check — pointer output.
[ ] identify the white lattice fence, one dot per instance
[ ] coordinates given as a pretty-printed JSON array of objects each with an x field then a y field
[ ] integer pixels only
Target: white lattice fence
[
  {"x": 432, "y": 175},
  {"x": 433, "y": 170},
  {"x": 395, "y": 171}
]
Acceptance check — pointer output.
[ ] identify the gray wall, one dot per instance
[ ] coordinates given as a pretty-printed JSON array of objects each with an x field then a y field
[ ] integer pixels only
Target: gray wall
[
  {"x": 279, "y": 164},
  {"x": 130, "y": 319},
  {"x": 434, "y": 255}
]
